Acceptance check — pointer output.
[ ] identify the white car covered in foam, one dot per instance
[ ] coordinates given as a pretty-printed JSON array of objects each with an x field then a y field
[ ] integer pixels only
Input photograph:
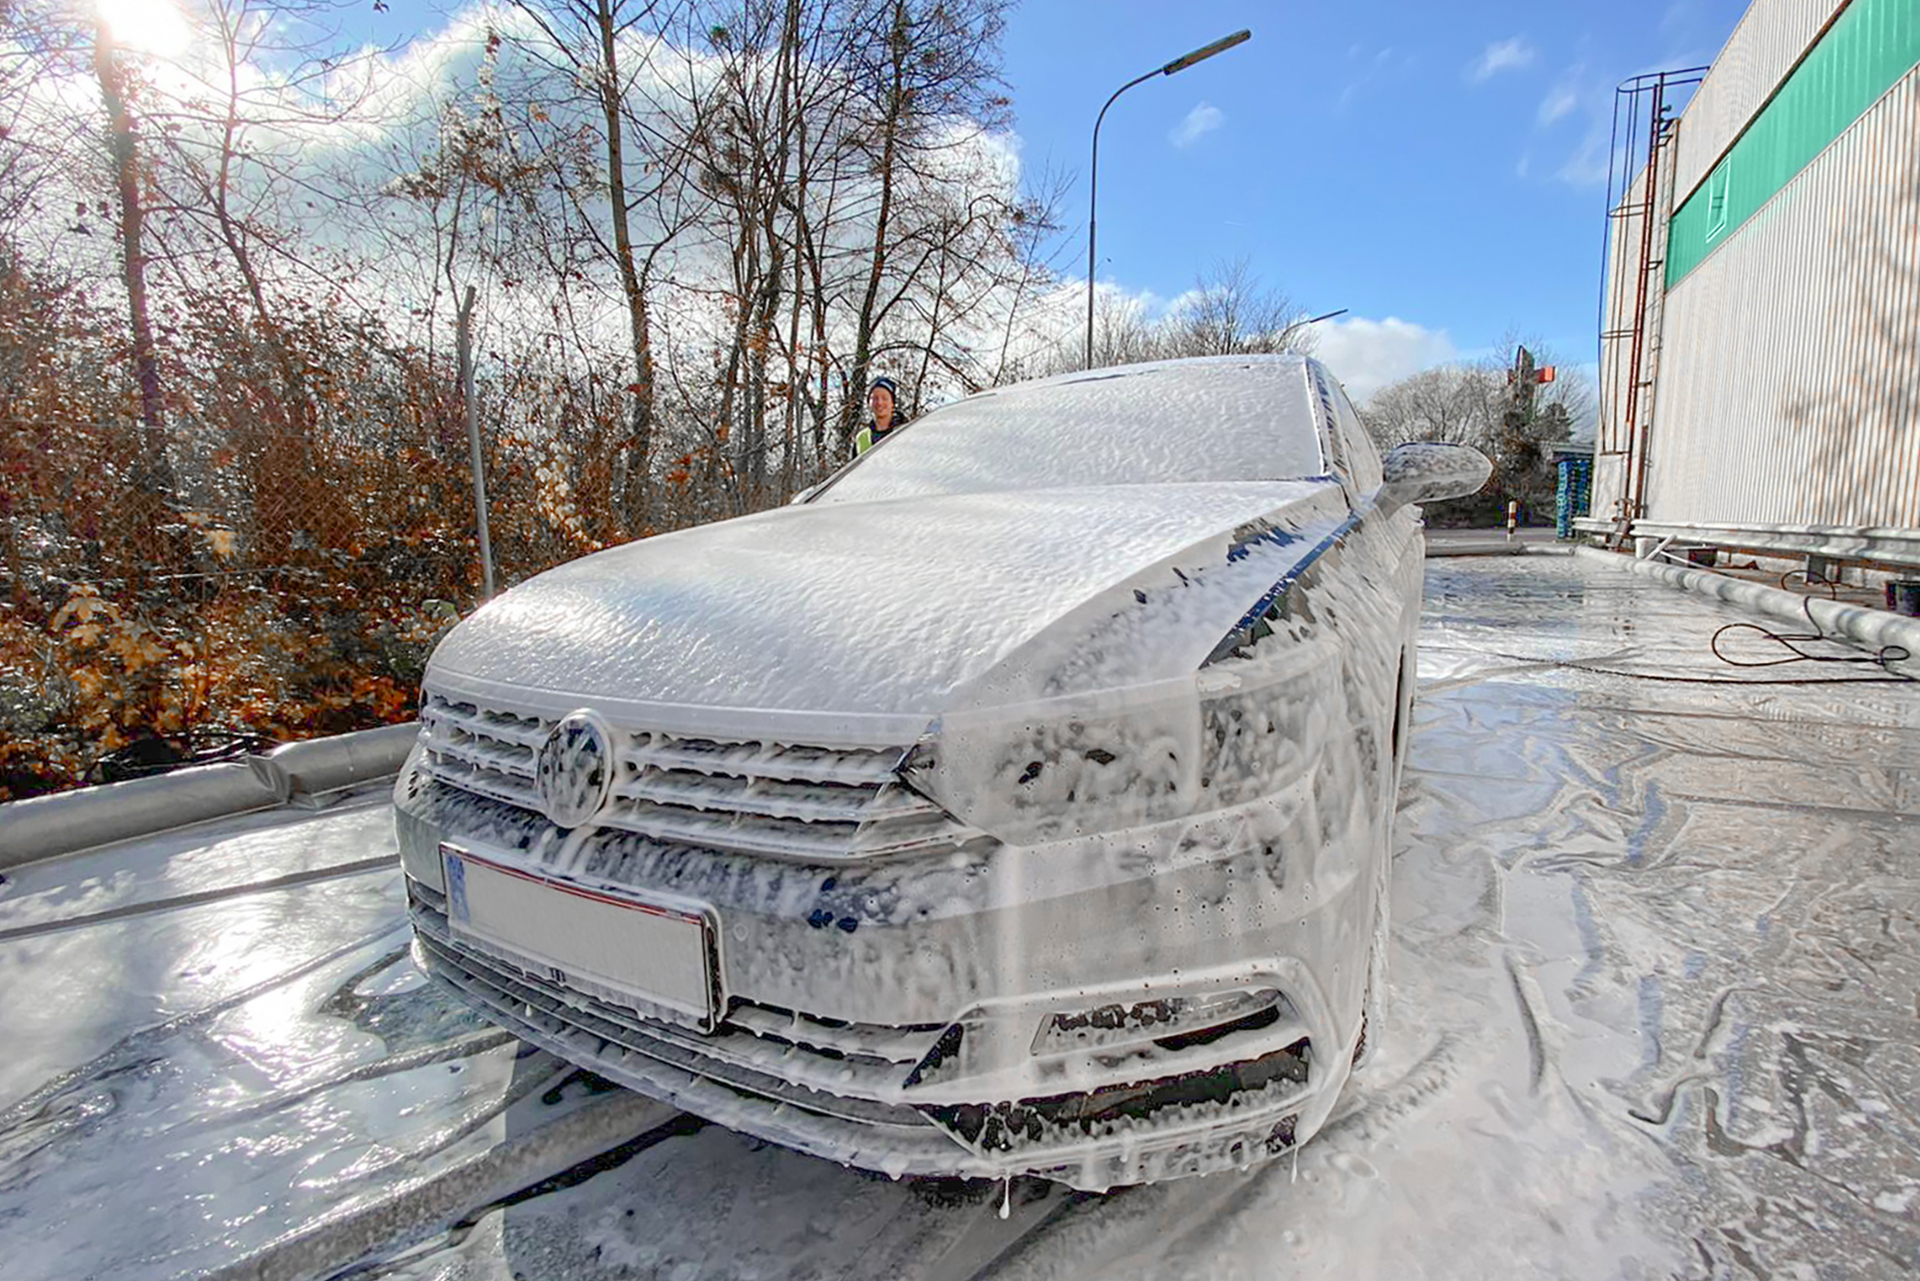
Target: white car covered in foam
[{"x": 1017, "y": 803}]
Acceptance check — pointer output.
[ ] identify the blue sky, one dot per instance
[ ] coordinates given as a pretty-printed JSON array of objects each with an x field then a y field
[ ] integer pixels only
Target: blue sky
[
  {"x": 1438, "y": 163},
  {"x": 1436, "y": 168}
]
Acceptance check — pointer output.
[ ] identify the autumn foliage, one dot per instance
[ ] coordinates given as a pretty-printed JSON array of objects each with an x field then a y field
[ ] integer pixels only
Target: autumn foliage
[{"x": 317, "y": 541}]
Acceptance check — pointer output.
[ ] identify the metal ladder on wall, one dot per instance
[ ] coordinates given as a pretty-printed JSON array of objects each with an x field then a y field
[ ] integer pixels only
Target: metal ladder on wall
[{"x": 1652, "y": 209}]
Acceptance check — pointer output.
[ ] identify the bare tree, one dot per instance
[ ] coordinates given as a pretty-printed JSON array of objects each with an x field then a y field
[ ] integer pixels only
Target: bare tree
[
  {"x": 1478, "y": 404},
  {"x": 1453, "y": 404},
  {"x": 237, "y": 143},
  {"x": 230, "y": 177},
  {"x": 595, "y": 41},
  {"x": 1230, "y": 313},
  {"x": 859, "y": 219},
  {"x": 130, "y": 188},
  {"x": 926, "y": 64},
  {"x": 39, "y": 43},
  {"x": 1466, "y": 403}
]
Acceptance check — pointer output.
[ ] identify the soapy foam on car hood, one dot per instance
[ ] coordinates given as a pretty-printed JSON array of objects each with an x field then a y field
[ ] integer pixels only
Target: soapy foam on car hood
[{"x": 863, "y": 607}]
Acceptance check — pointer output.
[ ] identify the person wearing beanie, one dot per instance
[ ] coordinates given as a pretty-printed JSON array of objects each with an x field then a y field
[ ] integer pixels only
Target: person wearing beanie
[{"x": 883, "y": 400}]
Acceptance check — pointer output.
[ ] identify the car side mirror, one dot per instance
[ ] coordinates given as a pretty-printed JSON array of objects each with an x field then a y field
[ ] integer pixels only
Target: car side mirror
[{"x": 1425, "y": 471}]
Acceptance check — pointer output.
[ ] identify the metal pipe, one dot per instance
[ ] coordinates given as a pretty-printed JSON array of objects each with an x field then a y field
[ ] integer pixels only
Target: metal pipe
[
  {"x": 465, "y": 318},
  {"x": 1616, "y": 434},
  {"x": 1606, "y": 270},
  {"x": 1181, "y": 63},
  {"x": 1636, "y": 457},
  {"x": 1869, "y": 628},
  {"x": 44, "y": 827},
  {"x": 1644, "y": 429}
]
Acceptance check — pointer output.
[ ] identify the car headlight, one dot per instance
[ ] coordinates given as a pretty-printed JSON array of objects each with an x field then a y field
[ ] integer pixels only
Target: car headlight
[
  {"x": 1060, "y": 768},
  {"x": 1122, "y": 743}
]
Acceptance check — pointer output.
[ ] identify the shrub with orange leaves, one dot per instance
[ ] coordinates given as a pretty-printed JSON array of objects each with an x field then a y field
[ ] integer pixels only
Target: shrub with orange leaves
[{"x": 315, "y": 538}]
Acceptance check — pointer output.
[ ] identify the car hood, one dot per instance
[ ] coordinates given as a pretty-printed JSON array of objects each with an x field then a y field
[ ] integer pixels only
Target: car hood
[{"x": 888, "y": 609}]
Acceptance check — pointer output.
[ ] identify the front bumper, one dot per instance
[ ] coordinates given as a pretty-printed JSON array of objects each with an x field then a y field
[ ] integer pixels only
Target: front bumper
[
  {"x": 776, "y": 1076},
  {"x": 886, "y": 1015}
]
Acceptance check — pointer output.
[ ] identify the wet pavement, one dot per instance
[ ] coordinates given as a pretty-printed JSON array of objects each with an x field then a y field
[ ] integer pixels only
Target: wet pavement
[{"x": 1656, "y": 1012}]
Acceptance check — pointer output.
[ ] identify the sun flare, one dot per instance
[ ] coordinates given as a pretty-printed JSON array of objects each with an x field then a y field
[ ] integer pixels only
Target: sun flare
[{"x": 146, "y": 26}]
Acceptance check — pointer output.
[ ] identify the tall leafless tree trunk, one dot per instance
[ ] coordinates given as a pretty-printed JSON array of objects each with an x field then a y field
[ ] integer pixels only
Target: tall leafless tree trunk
[
  {"x": 637, "y": 499},
  {"x": 156, "y": 470},
  {"x": 892, "y": 109}
]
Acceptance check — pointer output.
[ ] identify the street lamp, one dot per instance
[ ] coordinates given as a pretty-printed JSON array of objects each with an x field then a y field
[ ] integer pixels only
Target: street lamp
[
  {"x": 1093, "y": 177},
  {"x": 1302, "y": 324}
]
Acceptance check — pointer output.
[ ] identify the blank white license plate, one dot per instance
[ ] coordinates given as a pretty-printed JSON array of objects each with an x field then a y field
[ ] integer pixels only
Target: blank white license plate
[{"x": 661, "y": 955}]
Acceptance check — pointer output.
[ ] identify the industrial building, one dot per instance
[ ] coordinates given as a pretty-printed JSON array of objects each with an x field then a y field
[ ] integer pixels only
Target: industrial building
[{"x": 1760, "y": 323}]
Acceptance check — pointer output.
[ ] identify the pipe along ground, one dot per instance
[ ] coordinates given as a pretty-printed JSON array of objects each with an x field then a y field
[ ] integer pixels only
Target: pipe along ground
[
  {"x": 45, "y": 827},
  {"x": 1871, "y": 629}
]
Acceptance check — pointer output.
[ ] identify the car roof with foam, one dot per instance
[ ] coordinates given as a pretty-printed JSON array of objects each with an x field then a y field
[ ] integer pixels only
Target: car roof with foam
[{"x": 1220, "y": 419}]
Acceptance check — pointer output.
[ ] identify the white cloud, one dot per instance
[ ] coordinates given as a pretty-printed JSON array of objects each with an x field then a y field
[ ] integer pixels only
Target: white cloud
[
  {"x": 1505, "y": 55},
  {"x": 1590, "y": 161},
  {"x": 1202, "y": 120},
  {"x": 1561, "y": 99},
  {"x": 1366, "y": 355},
  {"x": 1379, "y": 63}
]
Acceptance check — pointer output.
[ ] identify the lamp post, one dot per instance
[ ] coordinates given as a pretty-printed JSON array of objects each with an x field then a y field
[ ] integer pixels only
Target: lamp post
[{"x": 1093, "y": 174}]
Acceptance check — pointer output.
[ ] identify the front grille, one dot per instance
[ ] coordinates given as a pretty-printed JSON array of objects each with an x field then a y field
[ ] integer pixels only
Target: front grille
[
  {"x": 481, "y": 750},
  {"x": 734, "y": 796}
]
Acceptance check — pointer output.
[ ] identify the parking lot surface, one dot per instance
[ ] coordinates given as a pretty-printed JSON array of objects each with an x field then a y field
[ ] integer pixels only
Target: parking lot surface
[{"x": 1655, "y": 1012}]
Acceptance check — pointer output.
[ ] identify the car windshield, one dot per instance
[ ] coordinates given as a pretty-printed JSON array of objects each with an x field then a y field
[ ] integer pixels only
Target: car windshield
[{"x": 1233, "y": 419}]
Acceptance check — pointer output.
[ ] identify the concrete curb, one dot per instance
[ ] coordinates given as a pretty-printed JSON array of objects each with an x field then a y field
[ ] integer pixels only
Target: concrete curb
[
  {"x": 1872, "y": 629},
  {"x": 299, "y": 773}
]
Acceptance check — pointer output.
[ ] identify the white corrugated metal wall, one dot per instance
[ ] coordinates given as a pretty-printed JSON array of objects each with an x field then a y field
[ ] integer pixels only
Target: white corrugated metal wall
[
  {"x": 1788, "y": 389},
  {"x": 1764, "y": 47},
  {"x": 1789, "y": 392}
]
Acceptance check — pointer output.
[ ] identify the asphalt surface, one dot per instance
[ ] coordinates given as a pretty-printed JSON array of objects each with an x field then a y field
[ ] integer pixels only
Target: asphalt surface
[{"x": 1656, "y": 1012}]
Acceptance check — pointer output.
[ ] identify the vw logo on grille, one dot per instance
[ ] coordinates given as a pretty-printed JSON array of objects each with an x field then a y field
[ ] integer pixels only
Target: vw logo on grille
[{"x": 575, "y": 769}]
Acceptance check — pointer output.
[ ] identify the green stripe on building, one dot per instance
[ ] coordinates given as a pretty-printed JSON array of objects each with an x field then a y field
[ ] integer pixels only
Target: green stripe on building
[{"x": 1868, "y": 48}]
